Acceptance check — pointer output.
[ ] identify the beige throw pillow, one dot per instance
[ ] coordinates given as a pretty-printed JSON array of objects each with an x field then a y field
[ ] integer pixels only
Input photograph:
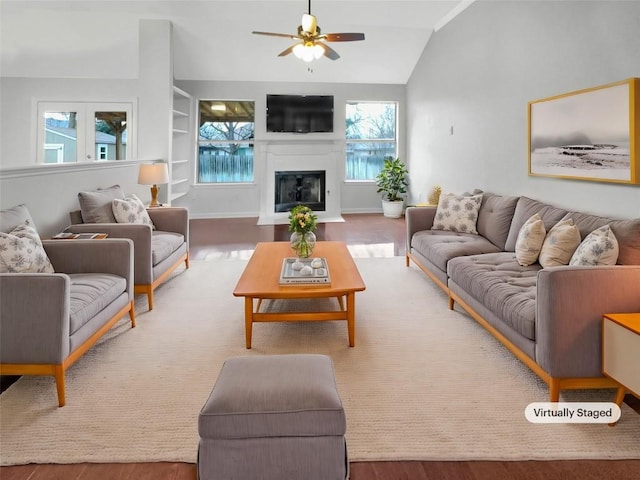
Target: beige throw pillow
[
  {"x": 131, "y": 210},
  {"x": 21, "y": 251},
  {"x": 457, "y": 213},
  {"x": 559, "y": 244},
  {"x": 530, "y": 239},
  {"x": 600, "y": 247},
  {"x": 95, "y": 206}
]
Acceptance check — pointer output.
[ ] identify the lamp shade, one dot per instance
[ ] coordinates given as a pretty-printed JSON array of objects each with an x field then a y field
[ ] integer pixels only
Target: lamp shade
[{"x": 153, "y": 173}]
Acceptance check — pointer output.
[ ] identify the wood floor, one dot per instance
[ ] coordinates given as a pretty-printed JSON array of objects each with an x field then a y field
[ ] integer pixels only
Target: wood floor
[{"x": 369, "y": 235}]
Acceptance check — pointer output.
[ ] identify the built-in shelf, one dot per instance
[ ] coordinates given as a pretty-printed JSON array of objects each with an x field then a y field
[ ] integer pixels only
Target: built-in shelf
[{"x": 181, "y": 143}]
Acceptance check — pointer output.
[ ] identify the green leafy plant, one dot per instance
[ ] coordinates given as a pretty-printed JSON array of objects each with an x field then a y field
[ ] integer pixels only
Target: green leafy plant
[
  {"x": 392, "y": 179},
  {"x": 302, "y": 219}
]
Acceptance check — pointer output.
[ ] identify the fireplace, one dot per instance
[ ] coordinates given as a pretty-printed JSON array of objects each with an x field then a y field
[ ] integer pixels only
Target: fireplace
[{"x": 300, "y": 187}]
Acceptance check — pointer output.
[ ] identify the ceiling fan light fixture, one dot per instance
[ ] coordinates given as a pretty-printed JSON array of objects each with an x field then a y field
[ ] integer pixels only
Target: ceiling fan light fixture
[
  {"x": 318, "y": 51},
  {"x": 308, "y": 51}
]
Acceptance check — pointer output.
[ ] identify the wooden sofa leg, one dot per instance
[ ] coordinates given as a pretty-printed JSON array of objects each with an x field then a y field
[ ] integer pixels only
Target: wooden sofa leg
[
  {"x": 186, "y": 262},
  {"x": 132, "y": 314},
  {"x": 58, "y": 373},
  {"x": 554, "y": 390},
  {"x": 406, "y": 259},
  {"x": 451, "y": 303},
  {"x": 150, "y": 296}
]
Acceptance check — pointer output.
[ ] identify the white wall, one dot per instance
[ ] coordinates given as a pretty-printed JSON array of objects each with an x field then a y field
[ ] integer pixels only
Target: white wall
[
  {"x": 17, "y": 142},
  {"x": 478, "y": 73}
]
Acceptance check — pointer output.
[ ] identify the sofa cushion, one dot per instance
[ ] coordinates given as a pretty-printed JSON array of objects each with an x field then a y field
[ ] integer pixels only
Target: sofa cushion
[
  {"x": 10, "y": 218},
  {"x": 525, "y": 208},
  {"x": 457, "y": 213},
  {"x": 95, "y": 206},
  {"x": 559, "y": 244},
  {"x": 21, "y": 251},
  {"x": 130, "y": 210},
  {"x": 494, "y": 217},
  {"x": 599, "y": 248},
  {"x": 441, "y": 246},
  {"x": 90, "y": 293},
  {"x": 501, "y": 285},
  {"x": 530, "y": 240},
  {"x": 164, "y": 244},
  {"x": 627, "y": 232}
]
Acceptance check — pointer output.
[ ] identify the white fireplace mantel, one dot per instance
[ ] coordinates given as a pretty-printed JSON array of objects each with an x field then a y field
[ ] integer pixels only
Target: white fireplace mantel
[{"x": 300, "y": 156}]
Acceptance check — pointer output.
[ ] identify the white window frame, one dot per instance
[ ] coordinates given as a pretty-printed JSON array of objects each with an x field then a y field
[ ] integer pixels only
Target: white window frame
[{"x": 85, "y": 126}]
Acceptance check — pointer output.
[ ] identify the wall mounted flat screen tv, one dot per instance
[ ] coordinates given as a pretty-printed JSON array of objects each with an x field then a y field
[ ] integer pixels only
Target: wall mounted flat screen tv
[{"x": 300, "y": 113}]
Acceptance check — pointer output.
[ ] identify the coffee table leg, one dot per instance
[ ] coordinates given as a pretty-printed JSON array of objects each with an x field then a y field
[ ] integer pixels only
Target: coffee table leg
[
  {"x": 351, "y": 318},
  {"x": 248, "y": 320}
]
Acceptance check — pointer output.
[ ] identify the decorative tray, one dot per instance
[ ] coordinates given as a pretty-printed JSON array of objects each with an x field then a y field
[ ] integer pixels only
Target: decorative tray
[{"x": 305, "y": 271}]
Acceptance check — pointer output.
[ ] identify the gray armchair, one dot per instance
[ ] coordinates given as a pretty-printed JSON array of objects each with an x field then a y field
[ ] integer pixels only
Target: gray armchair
[
  {"x": 157, "y": 253},
  {"x": 49, "y": 320}
]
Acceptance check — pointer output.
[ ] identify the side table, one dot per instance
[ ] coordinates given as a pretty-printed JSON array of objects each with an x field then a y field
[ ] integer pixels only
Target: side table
[{"x": 621, "y": 352}]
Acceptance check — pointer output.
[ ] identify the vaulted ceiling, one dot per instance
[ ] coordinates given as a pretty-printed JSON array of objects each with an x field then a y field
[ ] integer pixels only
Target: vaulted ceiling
[{"x": 212, "y": 39}]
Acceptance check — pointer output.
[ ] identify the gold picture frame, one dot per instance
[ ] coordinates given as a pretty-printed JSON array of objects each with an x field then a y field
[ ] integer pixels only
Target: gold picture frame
[{"x": 590, "y": 134}]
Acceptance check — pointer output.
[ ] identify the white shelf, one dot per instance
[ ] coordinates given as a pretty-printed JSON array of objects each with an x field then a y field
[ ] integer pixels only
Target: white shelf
[
  {"x": 177, "y": 130},
  {"x": 176, "y": 162},
  {"x": 178, "y": 181},
  {"x": 175, "y": 196},
  {"x": 179, "y": 113}
]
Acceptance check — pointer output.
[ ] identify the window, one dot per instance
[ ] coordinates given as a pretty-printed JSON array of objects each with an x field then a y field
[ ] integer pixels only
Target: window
[
  {"x": 225, "y": 144},
  {"x": 83, "y": 132},
  {"x": 371, "y": 137}
]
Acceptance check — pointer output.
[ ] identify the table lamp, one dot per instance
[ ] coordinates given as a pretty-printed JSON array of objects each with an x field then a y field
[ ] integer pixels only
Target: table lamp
[{"x": 152, "y": 174}]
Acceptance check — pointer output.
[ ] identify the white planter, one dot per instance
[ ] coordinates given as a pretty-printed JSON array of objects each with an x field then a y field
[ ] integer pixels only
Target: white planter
[{"x": 392, "y": 209}]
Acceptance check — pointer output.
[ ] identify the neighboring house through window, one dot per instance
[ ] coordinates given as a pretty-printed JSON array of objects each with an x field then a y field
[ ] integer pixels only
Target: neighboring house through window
[
  {"x": 71, "y": 132},
  {"x": 225, "y": 142},
  {"x": 371, "y": 130}
]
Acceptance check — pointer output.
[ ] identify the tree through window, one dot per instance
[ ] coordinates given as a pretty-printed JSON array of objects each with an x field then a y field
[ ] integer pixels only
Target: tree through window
[
  {"x": 225, "y": 145},
  {"x": 371, "y": 137}
]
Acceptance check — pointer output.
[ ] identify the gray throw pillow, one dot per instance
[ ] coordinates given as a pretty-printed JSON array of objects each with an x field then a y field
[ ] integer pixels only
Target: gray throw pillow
[{"x": 95, "y": 206}]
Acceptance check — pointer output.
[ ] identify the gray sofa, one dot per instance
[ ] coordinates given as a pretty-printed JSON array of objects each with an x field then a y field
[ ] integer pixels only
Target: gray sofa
[
  {"x": 49, "y": 320},
  {"x": 550, "y": 318},
  {"x": 158, "y": 251}
]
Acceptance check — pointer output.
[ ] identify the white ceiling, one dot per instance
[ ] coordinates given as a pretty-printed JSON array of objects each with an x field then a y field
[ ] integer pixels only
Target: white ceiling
[{"x": 213, "y": 40}]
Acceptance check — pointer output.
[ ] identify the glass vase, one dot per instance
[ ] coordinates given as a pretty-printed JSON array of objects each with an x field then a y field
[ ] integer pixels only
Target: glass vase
[{"x": 303, "y": 244}]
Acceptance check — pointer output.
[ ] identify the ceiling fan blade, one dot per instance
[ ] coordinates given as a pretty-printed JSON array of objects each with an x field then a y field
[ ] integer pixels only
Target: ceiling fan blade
[
  {"x": 329, "y": 52},
  {"x": 284, "y": 35},
  {"x": 288, "y": 50},
  {"x": 343, "y": 37}
]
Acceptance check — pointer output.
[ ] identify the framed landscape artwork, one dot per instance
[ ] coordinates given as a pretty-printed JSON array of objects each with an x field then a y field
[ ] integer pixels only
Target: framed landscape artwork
[{"x": 591, "y": 134}]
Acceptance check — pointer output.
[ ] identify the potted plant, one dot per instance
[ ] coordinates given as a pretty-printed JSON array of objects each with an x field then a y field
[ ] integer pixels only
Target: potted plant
[{"x": 392, "y": 183}]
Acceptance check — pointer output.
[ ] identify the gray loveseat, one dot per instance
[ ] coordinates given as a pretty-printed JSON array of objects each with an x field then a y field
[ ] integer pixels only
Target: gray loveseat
[
  {"x": 48, "y": 320},
  {"x": 550, "y": 318}
]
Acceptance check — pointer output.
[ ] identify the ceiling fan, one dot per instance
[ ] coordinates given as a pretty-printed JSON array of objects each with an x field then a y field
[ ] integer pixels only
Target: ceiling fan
[{"x": 311, "y": 40}]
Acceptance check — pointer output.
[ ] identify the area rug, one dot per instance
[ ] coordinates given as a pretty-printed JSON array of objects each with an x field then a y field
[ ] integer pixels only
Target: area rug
[{"x": 422, "y": 382}]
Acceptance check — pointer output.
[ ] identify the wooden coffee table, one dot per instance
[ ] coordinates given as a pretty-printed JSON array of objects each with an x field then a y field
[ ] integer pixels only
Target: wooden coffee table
[{"x": 261, "y": 280}]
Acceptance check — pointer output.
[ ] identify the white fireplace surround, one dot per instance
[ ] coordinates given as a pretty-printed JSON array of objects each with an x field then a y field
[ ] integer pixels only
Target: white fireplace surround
[{"x": 300, "y": 156}]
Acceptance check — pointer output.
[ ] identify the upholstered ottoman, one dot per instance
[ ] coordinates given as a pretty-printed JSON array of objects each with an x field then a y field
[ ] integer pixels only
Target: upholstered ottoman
[{"x": 271, "y": 418}]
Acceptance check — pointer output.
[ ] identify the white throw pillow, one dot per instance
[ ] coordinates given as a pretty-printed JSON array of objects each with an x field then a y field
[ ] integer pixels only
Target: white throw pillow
[
  {"x": 21, "y": 251},
  {"x": 530, "y": 239},
  {"x": 457, "y": 213},
  {"x": 559, "y": 244},
  {"x": 131, "y": 210},
  {"x": 600, "y": 247}
]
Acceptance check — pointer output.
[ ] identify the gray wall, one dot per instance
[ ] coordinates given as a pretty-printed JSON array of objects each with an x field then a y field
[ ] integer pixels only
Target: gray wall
[{"x": 478, "y": 73}]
